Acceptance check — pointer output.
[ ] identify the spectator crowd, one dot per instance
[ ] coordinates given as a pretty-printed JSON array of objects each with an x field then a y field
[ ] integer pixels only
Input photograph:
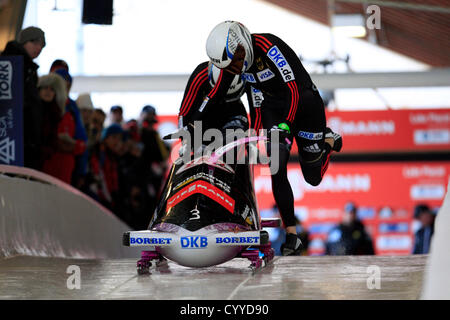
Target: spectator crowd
[{"x": 121, "y": 164}]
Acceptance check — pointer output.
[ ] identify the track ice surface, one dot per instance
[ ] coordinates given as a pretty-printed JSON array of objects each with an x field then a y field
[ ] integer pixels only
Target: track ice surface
[{"x": 324, "y": 277}]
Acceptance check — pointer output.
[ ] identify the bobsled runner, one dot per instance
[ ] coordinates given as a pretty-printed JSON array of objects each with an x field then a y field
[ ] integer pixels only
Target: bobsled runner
[{"x": 207, "y": 215}]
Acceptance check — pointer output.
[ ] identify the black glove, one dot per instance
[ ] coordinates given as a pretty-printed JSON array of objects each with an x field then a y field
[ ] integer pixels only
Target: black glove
[{"x": 284, "y": 135}]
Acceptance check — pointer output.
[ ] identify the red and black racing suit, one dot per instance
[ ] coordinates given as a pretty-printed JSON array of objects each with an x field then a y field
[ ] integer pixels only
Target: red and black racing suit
[
  {"x": 279, "y": 89},
  {"x": 211, "y": 105}
]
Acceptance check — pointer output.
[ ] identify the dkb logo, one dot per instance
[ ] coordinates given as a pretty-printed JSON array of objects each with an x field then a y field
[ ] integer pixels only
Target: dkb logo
[{"x": 194, "y": 242}]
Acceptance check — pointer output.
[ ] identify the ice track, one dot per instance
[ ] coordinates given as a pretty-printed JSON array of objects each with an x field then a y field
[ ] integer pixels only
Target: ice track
[{"x": 24, "y": 277}]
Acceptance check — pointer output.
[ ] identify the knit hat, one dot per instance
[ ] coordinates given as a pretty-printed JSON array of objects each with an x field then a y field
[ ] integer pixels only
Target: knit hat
[
  {"x": 31, "y": 34},
  {"x": 64, "y": 74},
  {"x": 421, "y": 208},
  {"x": 84, "y": 102},
  {"x": 57, "y": 84},
  {"x": 59, "y": 64},
  {"x": 112, "y": 129},
  {"x": 116, "y": 108},
  {"x": 149, "y": 109}
]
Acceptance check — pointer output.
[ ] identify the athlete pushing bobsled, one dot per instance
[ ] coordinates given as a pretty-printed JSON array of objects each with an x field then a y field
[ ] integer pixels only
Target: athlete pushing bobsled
[
  {"x": 282, "y": 98},
  {"x": 208, "y": 212}
]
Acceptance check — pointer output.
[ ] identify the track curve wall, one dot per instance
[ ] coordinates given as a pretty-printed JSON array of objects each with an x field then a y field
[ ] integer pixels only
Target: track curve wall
[{"x": 43, "y": 216}]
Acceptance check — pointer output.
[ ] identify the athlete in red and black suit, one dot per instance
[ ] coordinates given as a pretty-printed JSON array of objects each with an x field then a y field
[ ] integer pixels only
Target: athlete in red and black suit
[
  {"x": 213, "y": 105},
  {"x": 281, "y": 97}
]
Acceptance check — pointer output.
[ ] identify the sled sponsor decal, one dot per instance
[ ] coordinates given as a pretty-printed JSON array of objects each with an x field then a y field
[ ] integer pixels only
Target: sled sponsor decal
[
  {"x": 206, "y": 189},
  {"x": 194, "y": 242},
  {"x": 240, "y": 240},
  {"x": 210, "y": 178},
  {"x": 149, "y": 241},
  {"x": 283, "y": 66}
]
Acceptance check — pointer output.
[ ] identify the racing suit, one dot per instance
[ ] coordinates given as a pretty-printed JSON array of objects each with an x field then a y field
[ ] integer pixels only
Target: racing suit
[
  {"x": 280, "y": 90},
  {"x": 211, "y": 105}
]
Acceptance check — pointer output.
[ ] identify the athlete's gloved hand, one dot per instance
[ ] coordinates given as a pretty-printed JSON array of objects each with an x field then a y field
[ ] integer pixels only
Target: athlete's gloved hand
[
  {"x": 333, "y": 139},
  {"x": 237, "y": 63},
  {"x": 284, "y": 134},
  {"x": 186, "y": 143},
  {"x": 182, "y": 149}
]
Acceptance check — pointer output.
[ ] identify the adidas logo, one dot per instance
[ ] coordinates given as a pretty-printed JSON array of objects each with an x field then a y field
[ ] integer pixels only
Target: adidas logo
[{"x": 312, "y": 148}]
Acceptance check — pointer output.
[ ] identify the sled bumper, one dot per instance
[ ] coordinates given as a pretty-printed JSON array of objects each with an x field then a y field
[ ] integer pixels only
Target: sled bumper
[{"x": 149, "y": 238}]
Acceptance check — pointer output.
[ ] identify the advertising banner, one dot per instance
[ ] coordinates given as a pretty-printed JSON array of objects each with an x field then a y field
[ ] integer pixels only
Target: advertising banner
[
  {"x": 392, "y": 130},
  {"x": 386, "y": 131},
  {"x": 385, "y": 194},
  {"x": 11, "y": 108}
]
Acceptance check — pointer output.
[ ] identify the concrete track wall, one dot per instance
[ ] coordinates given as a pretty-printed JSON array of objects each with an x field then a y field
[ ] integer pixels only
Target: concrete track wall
[{"x": 42, "y": 216}]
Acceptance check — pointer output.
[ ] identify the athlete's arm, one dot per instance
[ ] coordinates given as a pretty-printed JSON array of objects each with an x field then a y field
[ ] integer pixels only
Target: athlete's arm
[
  {"x": 193, "y": 94},
  {"x": 285, "y": 61},
  {"x": 199, "y": 95},
  {"x": 255, "y": 98}
]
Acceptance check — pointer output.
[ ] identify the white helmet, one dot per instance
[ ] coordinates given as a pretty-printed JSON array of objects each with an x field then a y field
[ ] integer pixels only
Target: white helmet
[
  {"x": 223, "y": 41},
  {"x": 236, "y": 88}
]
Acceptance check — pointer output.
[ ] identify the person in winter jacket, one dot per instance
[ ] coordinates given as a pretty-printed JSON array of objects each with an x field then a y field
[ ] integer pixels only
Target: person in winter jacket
[{"x": 29, "y": 45}]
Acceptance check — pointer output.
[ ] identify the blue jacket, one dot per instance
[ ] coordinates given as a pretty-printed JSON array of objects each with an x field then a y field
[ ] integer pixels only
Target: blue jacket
[
  {"x": 422, "y": 240},
  {"x": 80, "y": 134}
]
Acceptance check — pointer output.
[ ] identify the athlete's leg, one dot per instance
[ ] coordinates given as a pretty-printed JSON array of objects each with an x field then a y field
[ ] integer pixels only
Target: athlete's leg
[
  {"x": 310, "y": 130},
  {"x": 282, "y": 192}
]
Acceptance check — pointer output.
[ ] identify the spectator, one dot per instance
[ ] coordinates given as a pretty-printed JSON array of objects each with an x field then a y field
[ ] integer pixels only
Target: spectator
[
  {"x": 155, "y": 151},
  {"x": 53, "y": 95},
  {"x": 86, "y": 108},
  {"x": 96, "y": 127},
  {"x": 59, "y": 64},
  {"x": 81, "y": 160},
  {"x": 422, "y": 237},
  {"x": 132, "y": 128},
  {"x": 349, "y": 237},
  {"x": 29, "y": 45},
  {"x": 116, "y": 115},
  {"x": 103, "y": 178},
  {"x": 138, "y": 203},
  {"x": 62, "y": 163}
]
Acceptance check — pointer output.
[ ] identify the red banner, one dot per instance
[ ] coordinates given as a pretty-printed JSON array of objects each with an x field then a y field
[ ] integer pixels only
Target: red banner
[
  {"x": 373, "y": 187},
  {"x": 386, "y": 130},
  {"x": 392, "y": 130}
]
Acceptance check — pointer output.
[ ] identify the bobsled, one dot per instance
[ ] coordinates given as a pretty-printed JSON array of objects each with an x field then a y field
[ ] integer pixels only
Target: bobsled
[{"x": 207, "y": 215}]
